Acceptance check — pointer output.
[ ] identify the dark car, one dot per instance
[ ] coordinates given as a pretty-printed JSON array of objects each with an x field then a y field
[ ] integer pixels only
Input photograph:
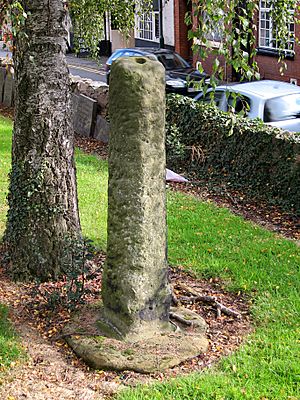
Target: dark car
[{"x": 180, "y": 75}]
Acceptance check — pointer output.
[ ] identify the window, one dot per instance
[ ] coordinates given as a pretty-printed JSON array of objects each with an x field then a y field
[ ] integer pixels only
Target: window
[
  {"x": 238, "y": 103},
  {"x": 172, "y": 61},
  {"x": 148, "y": 26},
  {"x": 213, "y": 33},
  {"x": 228, "y": 101},
  {"x": 216, "y": 96},
  {"x": 216, "y": 26},
  {"x": 282, "y": 108},
  {"x": 267, "y": 30}
]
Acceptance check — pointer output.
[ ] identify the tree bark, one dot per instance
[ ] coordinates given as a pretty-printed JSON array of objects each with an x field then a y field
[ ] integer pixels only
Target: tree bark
[{"x": 43, "y": 227}]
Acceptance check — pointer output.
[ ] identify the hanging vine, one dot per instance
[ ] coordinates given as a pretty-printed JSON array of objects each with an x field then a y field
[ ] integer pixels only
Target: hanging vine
[{"x": 227, "y": 31}]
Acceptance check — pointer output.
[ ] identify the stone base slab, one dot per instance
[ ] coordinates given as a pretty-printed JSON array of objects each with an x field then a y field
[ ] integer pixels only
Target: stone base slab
[{"x": 162, "y": 351}]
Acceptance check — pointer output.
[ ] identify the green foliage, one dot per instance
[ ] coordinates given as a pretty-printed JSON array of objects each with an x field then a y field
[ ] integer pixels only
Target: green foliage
[
  {"x": 92, "y": 175},
  {"x": 236, "y": 28},
  {"x": 25, "y": 187},
  {"x": 30, "y": 210},
  {"x": 283, "y": 15},
  {"x": 88, "y": 24},
  {"x": 226, "y": 149},
  {"x": 12, "y": 20},
  {"x": 87, "y": 18},
  {"x": 233, "y": 22},
  {"x": 174, "y": 146}
]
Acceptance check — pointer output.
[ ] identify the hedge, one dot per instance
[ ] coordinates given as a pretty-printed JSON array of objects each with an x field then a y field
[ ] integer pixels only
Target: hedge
[{"x": 208, "y": 144}]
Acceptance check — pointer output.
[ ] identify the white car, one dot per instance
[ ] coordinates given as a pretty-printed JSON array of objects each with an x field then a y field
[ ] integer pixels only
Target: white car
[{"x": 275, "y": 103}]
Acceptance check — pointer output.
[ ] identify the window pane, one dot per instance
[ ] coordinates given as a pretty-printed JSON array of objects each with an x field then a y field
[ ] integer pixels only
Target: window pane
[
  {"x": 267, "y": 30},
  {"x": 282, "y": 108},
  {"x": 146, "y": 26}
]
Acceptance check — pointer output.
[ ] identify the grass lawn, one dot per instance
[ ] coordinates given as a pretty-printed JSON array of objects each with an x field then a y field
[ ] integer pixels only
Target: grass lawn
[
  {"x": 10, "y": 348},
  {"x": 211, "y": 241},
  {"x": 92, "y": 177},
  {"x": 5, "y": 158}
]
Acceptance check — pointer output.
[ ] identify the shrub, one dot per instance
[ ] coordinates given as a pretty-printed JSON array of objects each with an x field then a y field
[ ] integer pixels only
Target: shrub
[{"x": 206, "y": 143}]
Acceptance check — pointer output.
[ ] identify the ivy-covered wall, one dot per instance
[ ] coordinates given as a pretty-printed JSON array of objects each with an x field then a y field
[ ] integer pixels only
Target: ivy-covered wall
[{"x": 206, "y": 143}]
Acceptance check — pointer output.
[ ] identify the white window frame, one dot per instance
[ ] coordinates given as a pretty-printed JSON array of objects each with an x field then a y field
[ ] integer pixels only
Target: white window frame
[
  {"x": 266, "y": 37},
  {"x": 145, "y": 26}
]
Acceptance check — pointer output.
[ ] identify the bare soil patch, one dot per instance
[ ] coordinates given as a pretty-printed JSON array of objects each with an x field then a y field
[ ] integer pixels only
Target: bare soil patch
[{"x": 7, "y": 112}]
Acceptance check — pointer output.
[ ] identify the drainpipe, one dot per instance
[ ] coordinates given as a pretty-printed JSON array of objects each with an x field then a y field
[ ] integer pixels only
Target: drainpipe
[
  {"x": 105, "y": 27},
  {"x": 161, "y": 28}
]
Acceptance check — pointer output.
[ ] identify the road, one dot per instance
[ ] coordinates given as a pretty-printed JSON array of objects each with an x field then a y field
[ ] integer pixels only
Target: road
[
  {"x": 87, "y": 68},
  {"x": 84, "y": 67}
]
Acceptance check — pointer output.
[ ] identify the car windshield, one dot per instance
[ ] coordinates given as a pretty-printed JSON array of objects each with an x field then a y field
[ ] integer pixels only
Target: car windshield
[
  {"x": 172, "y": 61},
  {"x": 282, "y": 108}
]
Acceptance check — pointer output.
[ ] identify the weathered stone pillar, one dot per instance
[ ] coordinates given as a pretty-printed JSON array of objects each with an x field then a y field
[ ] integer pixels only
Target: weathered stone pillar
[
  {"x": 131, "y": 331},
  {"x": 135, "y": 292}
]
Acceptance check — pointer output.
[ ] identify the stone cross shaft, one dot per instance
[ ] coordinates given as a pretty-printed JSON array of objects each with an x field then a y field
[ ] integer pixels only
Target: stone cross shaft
[{"x": 136, "y": 294}]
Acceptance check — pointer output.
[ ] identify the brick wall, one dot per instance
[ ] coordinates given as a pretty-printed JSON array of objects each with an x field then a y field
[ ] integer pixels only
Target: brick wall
[
  {"x": 182, "y": 44},
  {"x": 269, "y": 68},
  {"x": 207, "y": 65}
]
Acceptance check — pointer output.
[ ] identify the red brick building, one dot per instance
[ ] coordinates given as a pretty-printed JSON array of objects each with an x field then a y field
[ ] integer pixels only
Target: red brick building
[
  {"x": 182, "y": 45},
  {"x": 267, "y": 51}
]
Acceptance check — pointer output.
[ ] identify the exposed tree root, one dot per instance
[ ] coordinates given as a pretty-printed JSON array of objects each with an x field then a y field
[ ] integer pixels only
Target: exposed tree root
[
  {"x": 180, "y": 319},
  {"x": 196, "y": 297},
  {"x": 175, "y": 300}
]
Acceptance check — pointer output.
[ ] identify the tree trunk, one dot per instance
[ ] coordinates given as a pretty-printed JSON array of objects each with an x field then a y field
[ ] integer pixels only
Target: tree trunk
[{"x": 43, "y": 226}]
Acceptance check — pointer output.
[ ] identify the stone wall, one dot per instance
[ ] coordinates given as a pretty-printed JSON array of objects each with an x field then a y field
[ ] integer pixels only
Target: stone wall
[
  {"x": 90, "y": 108},
  {"x": 90, "y": 103},
  {"x": 7, "y": 86}
]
